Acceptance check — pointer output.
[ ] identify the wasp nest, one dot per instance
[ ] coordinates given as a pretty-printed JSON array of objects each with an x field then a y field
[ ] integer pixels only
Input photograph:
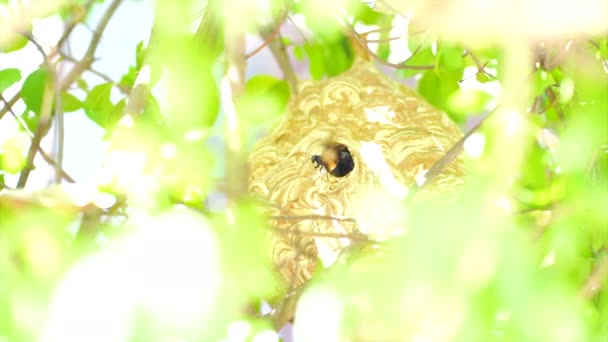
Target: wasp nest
[{"x": 302, "y": 168}]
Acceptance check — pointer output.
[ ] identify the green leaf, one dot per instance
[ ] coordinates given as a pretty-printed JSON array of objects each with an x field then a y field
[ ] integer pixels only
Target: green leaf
[
  {"x": 113, "y": 117},
  {"x": 286, "y": 41},
  {"x": 566, "y": 90},
  {"x": 128, "y": 79},
  {"x": 17, "y": 42},
  {"x": 265, "y": 98},
  {"x": 363, "y": 13},
  {"x": 424, "y": 56},
  {"x": 82, "y": 84},
  {"x": 482, "y": 77},
  {"x": 329, "y": 59},
  {"x": 33, "y": 88},
  {"x": 97, "y": 104},
  {"x": 541, "y": 80},
  {"x": 450, "y": 62},
  {"x": 437, "y": 91},
  {"x": 140, "y": 55},
  {"x": 604, "y": 48},
  {"x": 317, "y": 63},
  {"x": 298, "y": 52},
  {"x": 319, "y": 18},
  {"x": 463, "y": 102},
  {"x": 339, "y": 57},
  {"x": 8, "y": 77},
  {"x": 12, "y": 158},
  {"x": 70, "y": 102},
  {"x": 31, "y": 119}
]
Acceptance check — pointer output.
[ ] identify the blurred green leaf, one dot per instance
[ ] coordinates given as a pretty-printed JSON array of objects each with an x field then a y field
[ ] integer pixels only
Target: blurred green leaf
[
  {"x": 8, "y": 77},
  {"x": 17, "y": 42},
  {"x": 264, "y": 99},
  {"x": 128, "y": 80},
  {"x": 70, "y": 102},
  {"x": 98, "y": 106},
  {"x": 566, "y": 90},
  {"x": 463, "y": 102},
  {"x": 298, "y": 52},
  {"x": 437, "y": 91},
  {"x": 286, "y": 41},
  {"x": 541, "y": 80},
  {"x": 329, "y": 58},
  {"x": 82, "y": 84},
  {"x": 450, "y": 61},
  {"x": 424, "y": 56},
  {"x": 316, "y": 60},
  {"x": 482, "y": 77},
  {"x": 363, "y": 13},
  {"x": 33, "y": 88},
  {"x": 31, "y": 119},
  {"x": 115, "y": 114},
  {"x": 603, "y": 48},
  {"x": 140, "y": 55}
]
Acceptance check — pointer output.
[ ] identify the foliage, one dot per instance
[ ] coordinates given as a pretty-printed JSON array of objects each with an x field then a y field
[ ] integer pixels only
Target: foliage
[{"x": 151, "y": 253}]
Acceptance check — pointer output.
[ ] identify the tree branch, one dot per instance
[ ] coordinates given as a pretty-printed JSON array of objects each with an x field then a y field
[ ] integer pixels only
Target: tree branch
[
  {"x": 280, "y": 53},
  {"x": 596, "y": 280},
  {"x": 232, "y": 86},
  {"x": 362, "y": 43},
  {"x": 45, "y": 120},
  {"x": 89, "y": 55},
  {"x": 44, "y": 155}
]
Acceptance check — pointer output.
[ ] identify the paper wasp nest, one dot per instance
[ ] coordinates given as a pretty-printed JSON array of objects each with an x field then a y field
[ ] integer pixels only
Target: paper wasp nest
[{"x": 393, "y": 135}]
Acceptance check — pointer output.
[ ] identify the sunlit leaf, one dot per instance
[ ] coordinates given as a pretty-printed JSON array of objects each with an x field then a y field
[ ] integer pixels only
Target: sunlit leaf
[
  {"x": 566, "y": 90},
  {"x": 421, "y": 57},
  {"x": 33, "y": 88},
  {"x": 265, "y": 98},
  {"x": 98, "y": 106},
  {"x": 70, "y": 102},
  {"x": 17, "y": 42},
  {"x": 468, "y": 101},
  {"x": 8, "y": 77},
  {"x": 450, "y": 62},
  {"x": 437, "y": 91},
  {"x": 541, "y": 80}
]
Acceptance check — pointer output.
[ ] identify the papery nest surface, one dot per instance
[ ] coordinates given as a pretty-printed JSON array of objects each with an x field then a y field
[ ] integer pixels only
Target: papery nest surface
[{"x": 394, "y": 137}]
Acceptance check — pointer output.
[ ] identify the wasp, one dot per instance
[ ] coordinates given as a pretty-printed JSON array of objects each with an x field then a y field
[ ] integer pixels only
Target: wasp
[{"x": 336, "y": 159}]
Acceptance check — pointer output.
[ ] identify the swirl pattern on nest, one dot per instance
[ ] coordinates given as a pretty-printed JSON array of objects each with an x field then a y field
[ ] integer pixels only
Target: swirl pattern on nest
[{"x": 366, "y": 111}]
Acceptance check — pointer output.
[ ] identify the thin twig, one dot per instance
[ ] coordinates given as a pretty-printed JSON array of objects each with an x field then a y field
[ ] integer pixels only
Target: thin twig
[
  {"x": 312, "y": 217},
  {"x": 549, "y": 106},
  {"x": 233, "y": 84},
  {"x": 596, "y": 280},
  {"x": 480, "y": 67},
  {"x": 123, "y": 89},
  {"x": 72, "y": 76},
  {"x": 452, "y": 154},
  {"x": 553, "y": 98},
  {"x": 42, "y": 153},
  {"x": 9, "y": 104},
  {"x": 89, "y": 55},
  {"x": 361, "y": 42},
  {"x": 352, "y": 236},
  {"x": 380, "y": 40},
  {"x": 272, "y": 36},
  {"x": 69, "y": 28},
  {"x": 45, "y": 121},
  {"x": 43, "y": 124},
  {"x": 277, "y": 47},
  {"x": 306, "y": 40}
]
